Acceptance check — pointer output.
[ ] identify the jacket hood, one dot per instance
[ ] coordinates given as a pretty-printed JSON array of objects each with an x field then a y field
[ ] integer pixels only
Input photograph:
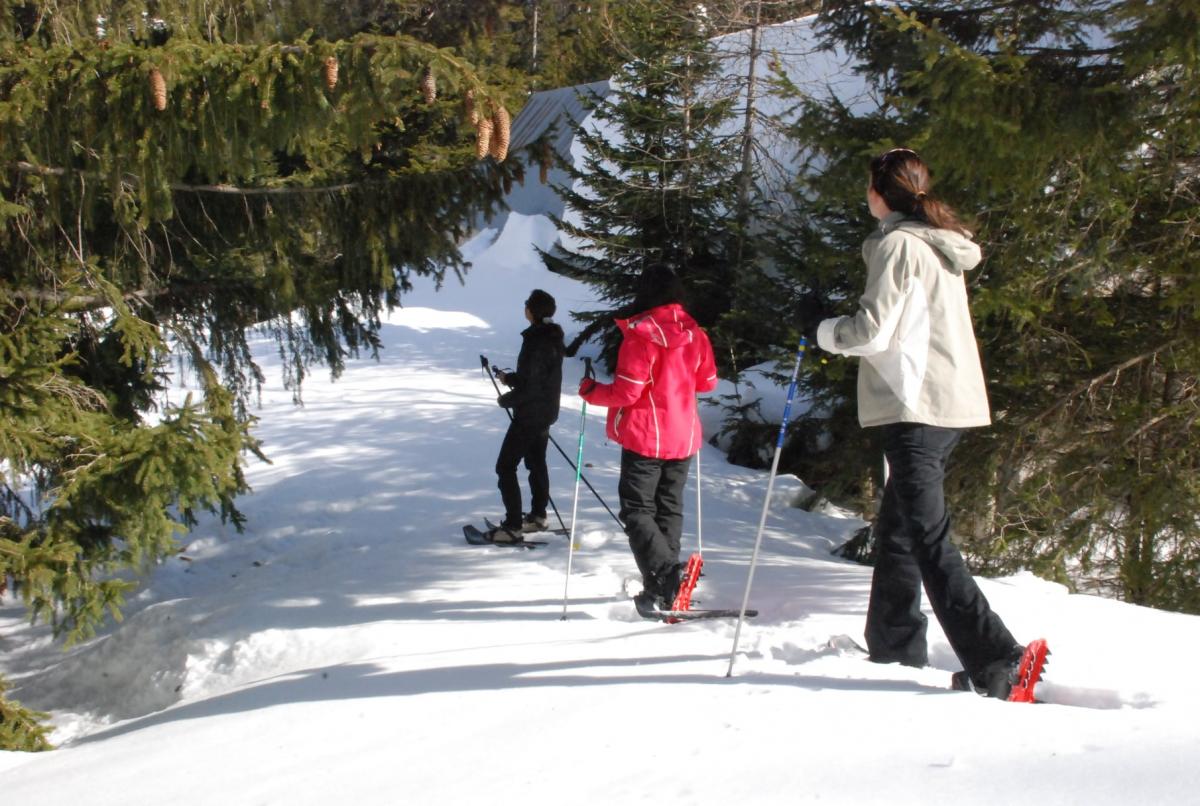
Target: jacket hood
[
  {"x": 960, "y": 252},
  {"x": 668, "y": 326}
]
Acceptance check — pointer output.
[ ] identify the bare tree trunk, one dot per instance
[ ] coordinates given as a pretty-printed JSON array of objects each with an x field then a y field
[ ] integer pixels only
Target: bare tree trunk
[
  {"x": 744, "y": 180},
  {"x": 533, "y": 50}
]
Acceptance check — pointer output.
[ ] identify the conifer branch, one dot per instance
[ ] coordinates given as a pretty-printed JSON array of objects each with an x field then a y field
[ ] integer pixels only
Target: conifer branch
[
  {"x": 45, "y": 170},
  {"x": 80, "y": 302},
  {"x": 1088, "y": 386}
]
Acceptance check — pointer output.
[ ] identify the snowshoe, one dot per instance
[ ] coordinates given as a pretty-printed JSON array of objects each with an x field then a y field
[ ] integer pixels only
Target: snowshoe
[
  {"x": 477, "y": 537},
  {"x": 691, "y": 575},
  {"x": 1029, "y": 671},
  {"x": 504, "y": 534},
  {"x": 1012, "y": 680}
]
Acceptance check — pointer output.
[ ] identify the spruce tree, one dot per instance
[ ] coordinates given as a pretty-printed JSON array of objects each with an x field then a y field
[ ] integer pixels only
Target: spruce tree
[
  {"x": 179, "y": 175},
  {"x": 656, "y": 183},
  {"x": 1067, "y": 130}
]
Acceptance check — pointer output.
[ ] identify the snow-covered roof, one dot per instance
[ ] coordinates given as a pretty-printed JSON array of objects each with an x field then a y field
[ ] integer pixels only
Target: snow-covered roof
[
  {"x": 791, "y": 47},
  {"x": 562, "y": 108}
]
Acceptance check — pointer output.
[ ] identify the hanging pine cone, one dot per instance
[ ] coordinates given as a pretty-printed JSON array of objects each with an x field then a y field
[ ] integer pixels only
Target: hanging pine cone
[
  {"x": 331, "y": 72},
  {"x": 507, "y": 185},
  {"x": 469, "y": 107},
  {"x": 502, "y": 124},
  {"x": 544, "y": 163},
  {"x": 483, "y": 138},
  {"x": 158, "y": 89},
  {"x": 428, "y": 86}
]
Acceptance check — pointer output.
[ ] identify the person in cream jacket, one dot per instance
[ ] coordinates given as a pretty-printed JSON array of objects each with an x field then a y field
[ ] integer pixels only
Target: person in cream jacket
[{"x": 920, "y": 384}]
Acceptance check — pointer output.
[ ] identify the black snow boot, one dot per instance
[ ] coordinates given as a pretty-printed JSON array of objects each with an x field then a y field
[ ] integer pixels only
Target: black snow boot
[
  {"x": 668, "y": 585},
  {"x": 998, "y": 677},
  {"x": 648, "y": 605},
  {"x": 505, "y": 534}
]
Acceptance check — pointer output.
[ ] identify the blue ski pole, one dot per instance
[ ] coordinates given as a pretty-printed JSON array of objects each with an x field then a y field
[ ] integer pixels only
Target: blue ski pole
[
  {"x": 762, "y": 521},
  {"x": 587, "y": 373}
]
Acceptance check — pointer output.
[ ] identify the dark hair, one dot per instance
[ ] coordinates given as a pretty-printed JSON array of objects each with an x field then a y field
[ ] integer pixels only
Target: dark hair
[
  {"x": 657, "y": 285},
  {"x": 541, "y": 305},
  {"x": 901, "y": 177}
]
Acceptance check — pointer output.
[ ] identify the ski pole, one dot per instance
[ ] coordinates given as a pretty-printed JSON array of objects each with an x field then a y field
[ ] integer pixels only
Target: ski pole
[
  {"x": 483, "y": 360},
  {"x": 486, "y": 368},
  {"x": 587, "y": 373},
  {"x": 762, "y": 521},
  {"x": 699, "y": 515}
]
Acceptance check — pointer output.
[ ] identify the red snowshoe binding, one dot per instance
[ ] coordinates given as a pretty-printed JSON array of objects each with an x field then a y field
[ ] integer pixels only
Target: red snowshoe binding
[{"x": 691, "y": 575}]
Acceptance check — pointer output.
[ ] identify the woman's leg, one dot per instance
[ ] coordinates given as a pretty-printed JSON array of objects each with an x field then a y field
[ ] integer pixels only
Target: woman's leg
[
  {"x": 539, "y": 474},
  {"x": 511, "y": 451},
  {"x": 637, "y": 490},
  {"x": 668, "y": 502},
  {"x": 917, "y": 456},
  {"x": 895, "y": 624}
]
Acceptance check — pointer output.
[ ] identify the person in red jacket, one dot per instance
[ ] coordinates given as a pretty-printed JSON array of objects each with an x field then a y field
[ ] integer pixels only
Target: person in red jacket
[{"x": 665, "y": 358}]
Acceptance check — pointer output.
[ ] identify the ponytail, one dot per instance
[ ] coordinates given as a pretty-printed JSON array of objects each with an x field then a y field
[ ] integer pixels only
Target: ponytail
[
  {"x": 938, "y": 214},
  {"x": 902, "y": 179}
]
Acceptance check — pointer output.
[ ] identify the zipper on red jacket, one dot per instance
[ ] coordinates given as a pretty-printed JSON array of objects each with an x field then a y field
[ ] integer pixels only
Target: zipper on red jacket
[{"x": 654, "y": 419}]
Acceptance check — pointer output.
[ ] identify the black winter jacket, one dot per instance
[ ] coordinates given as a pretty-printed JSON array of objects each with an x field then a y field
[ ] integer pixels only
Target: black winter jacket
[{"x": 537, "y": 382}]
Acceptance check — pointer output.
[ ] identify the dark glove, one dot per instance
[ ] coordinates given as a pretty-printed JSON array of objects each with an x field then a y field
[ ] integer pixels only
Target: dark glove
[
  {"x": 505, "y": 400},
  {"x": 811, "y": 311}
]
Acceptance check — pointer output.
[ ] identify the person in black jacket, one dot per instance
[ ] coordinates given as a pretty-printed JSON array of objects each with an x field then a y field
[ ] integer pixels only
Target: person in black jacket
[{"x": 536, "y": 386}]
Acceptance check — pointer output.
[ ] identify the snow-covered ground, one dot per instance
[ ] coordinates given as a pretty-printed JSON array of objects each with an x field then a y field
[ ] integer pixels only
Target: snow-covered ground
[{"x": 350, "y": 647}]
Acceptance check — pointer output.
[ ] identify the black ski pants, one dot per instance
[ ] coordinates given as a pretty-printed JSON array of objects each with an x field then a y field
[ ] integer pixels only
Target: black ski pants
[
  {"x": 651, "y": 493},
  {"x": 523, "y": 441},
  {"x": 913, "y": 534}
]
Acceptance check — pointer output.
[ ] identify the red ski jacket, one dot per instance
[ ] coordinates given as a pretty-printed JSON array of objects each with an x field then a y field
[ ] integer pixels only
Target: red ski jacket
[{"x": 664, "y": 360}]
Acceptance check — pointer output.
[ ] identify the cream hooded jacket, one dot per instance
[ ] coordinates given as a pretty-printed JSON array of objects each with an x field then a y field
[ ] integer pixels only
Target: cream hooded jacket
[{"x": 913, "y": 331}]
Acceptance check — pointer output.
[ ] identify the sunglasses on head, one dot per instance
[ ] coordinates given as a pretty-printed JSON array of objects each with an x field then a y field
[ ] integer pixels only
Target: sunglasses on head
[{"x": 900, "y": 150}]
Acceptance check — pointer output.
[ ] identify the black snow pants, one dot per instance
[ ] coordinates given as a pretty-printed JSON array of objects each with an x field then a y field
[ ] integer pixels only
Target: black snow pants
[
  {"x": 651, "y": 493},
  {"x": 913, "y": 533},
  {"x": 523, "y": 441}
]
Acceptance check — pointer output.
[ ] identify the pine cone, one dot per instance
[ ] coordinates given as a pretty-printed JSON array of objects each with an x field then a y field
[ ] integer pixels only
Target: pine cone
[
  {"x": 469, "y": 108},
  {"x": 158, "y": 89},
  {"x": 544, "y": 160},
  {"x": 502, "y": 124},
  {"x": 483, "y": 138},
  {"x": 331, "y": 72},
  {"x": 429, "y": 86},
  {"x": 507, "y": 185}
]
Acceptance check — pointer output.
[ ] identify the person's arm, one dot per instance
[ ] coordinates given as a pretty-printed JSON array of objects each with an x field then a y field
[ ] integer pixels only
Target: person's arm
[
  {"x": 706, "y": 367},
  {"x": 869, "y": 331},
  {"x": 635, "y": 363},
  {"x": 533, "y": 368}
]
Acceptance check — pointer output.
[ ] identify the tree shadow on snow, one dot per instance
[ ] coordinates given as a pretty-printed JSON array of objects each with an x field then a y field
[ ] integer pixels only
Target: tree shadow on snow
[{"x": 367, "y": 680}]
